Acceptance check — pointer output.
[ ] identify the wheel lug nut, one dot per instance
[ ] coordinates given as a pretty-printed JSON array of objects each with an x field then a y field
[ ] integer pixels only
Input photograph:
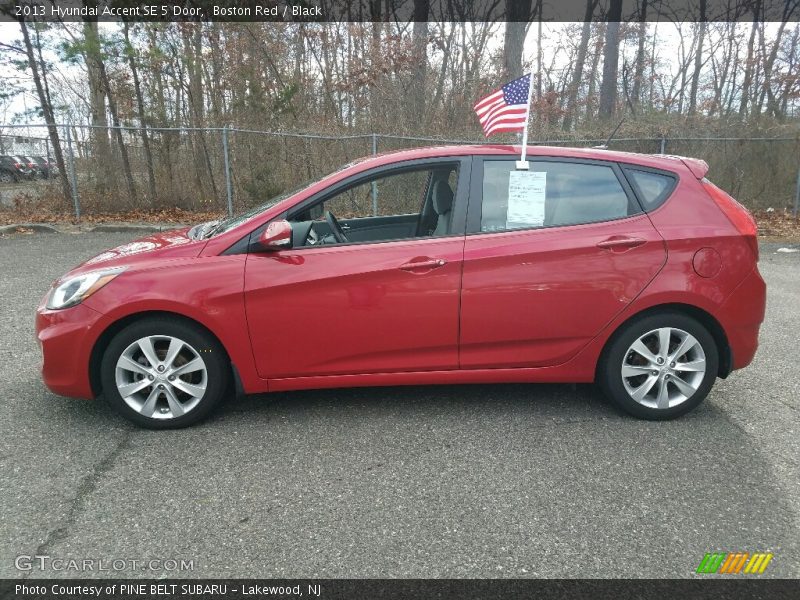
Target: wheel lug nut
[
  {"x": 160, "y": 368},
  {"x": 660, "y": 360},
  {"x": 150, "y": 377},
  {"x": 171, "y": 377},
  {"x": 672, "y": 365},
  {"x": 655, "y": 372}
]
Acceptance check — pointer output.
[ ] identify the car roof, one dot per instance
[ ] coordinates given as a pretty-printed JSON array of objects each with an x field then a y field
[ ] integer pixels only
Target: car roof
[{"x": 657, "y": 161}]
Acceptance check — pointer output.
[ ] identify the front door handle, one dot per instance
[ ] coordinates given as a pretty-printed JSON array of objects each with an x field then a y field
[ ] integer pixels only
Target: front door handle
[
  {"x": 423, "y": 264},
  {"x": 620, "y": 244}
]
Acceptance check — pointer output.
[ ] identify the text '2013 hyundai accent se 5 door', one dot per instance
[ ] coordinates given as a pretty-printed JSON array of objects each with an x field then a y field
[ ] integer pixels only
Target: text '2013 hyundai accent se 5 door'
[{"x": 427, "y": 266}]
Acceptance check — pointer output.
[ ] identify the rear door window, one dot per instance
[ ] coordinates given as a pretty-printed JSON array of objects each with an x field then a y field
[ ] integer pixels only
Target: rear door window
[{"x": 551, "y": 194}]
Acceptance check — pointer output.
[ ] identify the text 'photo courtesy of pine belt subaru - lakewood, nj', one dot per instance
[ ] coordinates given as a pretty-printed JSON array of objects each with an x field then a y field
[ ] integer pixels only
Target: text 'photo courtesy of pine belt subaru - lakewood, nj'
[{"x": 428, "y": 266}]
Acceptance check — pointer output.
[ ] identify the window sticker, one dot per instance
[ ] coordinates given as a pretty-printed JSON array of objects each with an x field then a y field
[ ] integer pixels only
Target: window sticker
[{"x": 526, "y": 196}]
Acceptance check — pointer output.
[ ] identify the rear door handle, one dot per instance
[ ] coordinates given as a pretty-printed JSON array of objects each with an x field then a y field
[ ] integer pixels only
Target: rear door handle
[
  {"x": 423, "y": 264},
  {"x": 621, "y": 243}
]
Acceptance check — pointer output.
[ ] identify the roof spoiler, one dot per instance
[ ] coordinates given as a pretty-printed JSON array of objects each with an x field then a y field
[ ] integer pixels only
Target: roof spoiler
[{"x": 697, "y": 166}]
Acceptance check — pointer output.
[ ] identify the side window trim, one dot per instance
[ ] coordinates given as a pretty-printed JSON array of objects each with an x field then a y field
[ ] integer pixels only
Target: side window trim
[
  {"x": 475, "y": 209},
  {"x": 626, "y": 171}
]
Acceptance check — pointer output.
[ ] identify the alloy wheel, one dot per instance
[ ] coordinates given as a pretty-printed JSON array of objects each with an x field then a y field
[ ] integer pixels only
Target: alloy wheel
[
  {"x": 161, "y": 377},
  {"x": 663, "y": 368}
]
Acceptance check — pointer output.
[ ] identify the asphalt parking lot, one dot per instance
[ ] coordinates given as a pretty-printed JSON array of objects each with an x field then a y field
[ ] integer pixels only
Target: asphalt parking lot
[{"x": 460, "y": 481}]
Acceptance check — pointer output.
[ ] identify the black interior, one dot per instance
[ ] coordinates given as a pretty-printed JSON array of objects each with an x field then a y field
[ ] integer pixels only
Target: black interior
[{"x": 312, "y": 228}]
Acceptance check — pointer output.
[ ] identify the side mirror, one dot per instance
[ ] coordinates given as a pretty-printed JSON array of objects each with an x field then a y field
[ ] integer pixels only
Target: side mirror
[{"x": 277, "y": 236}]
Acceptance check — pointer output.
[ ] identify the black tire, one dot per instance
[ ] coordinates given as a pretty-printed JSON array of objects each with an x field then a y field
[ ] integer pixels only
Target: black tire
[
  {"x": 200, "y": 344},
  {"x": 609, "y": 372},
  {"x": 6, "y": 177}
]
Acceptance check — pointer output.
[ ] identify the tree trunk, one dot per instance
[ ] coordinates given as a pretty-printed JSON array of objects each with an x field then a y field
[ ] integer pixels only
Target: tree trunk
[
  {"x": 419, "y": 75},
  {"x": 638, "y": 72},
  {"x": 148, "y": 156},
  {"x": 608, "y": 89},
  {"x": 577, "y": 73},
  {"x": 123, "y": 150},
  {"x": 593, "y": 73},
  {"x": 101, "y": 149},
  {"x": 47, "y": 111},
  {"x": 698, "y": 59},
  {"x": 518, "y": 12},
  {"x": 766, "y": 88},
  {"x": 748, "y": 66},
  {"x": 539, "y": 59}
]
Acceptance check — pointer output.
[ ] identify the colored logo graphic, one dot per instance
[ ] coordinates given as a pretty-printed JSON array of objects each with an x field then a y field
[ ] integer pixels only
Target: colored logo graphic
[{"x": 732, "y": 563}]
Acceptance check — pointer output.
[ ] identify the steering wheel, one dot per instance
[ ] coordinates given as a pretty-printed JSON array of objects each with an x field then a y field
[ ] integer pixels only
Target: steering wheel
[{"x": 336, "y": 229}]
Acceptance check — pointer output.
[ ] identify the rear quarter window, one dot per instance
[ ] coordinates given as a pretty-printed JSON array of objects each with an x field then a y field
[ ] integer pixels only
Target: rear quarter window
[{"x": 652, "y": 187}]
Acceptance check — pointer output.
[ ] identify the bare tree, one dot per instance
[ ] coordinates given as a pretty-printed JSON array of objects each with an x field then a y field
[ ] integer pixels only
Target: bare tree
[
  {"x": 577, "y": 73},
  {"x": 698, "y": 58},
  {"x": 140, "y": 108},
  {"x": 608, "y": 89},
  {"x": 749, "y": 62},
  {"x": 420, "y": 60},
  {"x": 101, "y": 150},
  {"x": 123, "y": 150},
  {"x": 518, "y": 13},
  {"x": 40, "y": 81},
  {"x": 638, "y": 73}
]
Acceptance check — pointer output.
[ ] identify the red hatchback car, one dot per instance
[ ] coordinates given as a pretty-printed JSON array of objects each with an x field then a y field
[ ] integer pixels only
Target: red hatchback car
[{"x": 427, "y": 266}]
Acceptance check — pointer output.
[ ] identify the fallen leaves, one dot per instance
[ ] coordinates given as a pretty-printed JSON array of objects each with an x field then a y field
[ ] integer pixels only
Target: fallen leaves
[{"x": 778, "y": 225}]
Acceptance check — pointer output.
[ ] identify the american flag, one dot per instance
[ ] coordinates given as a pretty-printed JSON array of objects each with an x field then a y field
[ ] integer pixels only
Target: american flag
[{"x": 506, "y": 109}]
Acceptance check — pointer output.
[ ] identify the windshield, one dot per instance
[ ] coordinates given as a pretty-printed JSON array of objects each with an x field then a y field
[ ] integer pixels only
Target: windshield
[{"x": 237, "y": 220}]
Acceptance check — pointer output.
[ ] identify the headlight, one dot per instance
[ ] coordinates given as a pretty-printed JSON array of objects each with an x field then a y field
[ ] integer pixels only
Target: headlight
[{"x": 76, "y": 289}]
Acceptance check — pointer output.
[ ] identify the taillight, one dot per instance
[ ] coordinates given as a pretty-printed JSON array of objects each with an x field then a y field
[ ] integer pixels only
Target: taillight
[
  {"x": 18, "y": 165},
  {"x": 737, "y": 214}
]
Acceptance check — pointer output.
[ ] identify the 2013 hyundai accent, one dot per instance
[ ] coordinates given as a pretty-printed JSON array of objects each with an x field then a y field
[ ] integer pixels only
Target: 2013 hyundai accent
[{"x": 427, "y": 266}]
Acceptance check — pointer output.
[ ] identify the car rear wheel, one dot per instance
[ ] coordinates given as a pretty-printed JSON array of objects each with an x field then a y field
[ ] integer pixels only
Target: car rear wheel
[
  {"x": 163, "y": 373},
  {"x": 6, "y": 177},
  {"x": 659, "y": 367}
]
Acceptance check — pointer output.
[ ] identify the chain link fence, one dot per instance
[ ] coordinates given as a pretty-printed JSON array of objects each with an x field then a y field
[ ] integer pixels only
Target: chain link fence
[{"x": 115, "y": 170}]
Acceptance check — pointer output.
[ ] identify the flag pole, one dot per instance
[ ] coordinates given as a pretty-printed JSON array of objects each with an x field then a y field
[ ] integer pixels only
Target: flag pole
[{"x": 522, "y": 163}]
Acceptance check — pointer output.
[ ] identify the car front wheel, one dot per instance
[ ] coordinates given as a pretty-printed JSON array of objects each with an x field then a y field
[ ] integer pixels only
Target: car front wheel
[
  {"x": 660, "y": 366},
  {"x": 164, "y": 373}
]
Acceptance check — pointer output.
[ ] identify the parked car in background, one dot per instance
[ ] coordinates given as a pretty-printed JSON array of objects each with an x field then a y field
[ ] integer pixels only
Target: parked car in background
[
  {"x": 429, "y": 266},
  {"x": 34, "y": 166},
  {"x": 14, "y": 169},
  {"x": 46, "y": 168}
]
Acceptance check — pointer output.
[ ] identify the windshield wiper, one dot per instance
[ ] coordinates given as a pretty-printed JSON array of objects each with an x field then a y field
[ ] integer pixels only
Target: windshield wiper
[{"x": 206, "y": 229}]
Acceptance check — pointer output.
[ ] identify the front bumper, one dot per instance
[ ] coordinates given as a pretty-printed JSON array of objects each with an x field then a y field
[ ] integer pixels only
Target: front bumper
[{"x": 65, "y": 339}]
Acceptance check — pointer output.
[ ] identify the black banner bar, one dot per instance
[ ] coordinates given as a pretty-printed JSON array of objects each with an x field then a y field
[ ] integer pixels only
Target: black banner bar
[
  {"x": 309, "y": 11},
  {"x": 389, "y": 589}
]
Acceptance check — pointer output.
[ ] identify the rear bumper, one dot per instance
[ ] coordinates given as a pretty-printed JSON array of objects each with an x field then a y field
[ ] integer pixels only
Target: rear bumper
[
  {"x": 66, "y": 342},
  {"x": 741, "y": 316}
]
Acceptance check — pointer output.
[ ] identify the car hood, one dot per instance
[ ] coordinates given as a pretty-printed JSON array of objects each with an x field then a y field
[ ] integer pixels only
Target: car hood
[{"x": 155, "y": 247}]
